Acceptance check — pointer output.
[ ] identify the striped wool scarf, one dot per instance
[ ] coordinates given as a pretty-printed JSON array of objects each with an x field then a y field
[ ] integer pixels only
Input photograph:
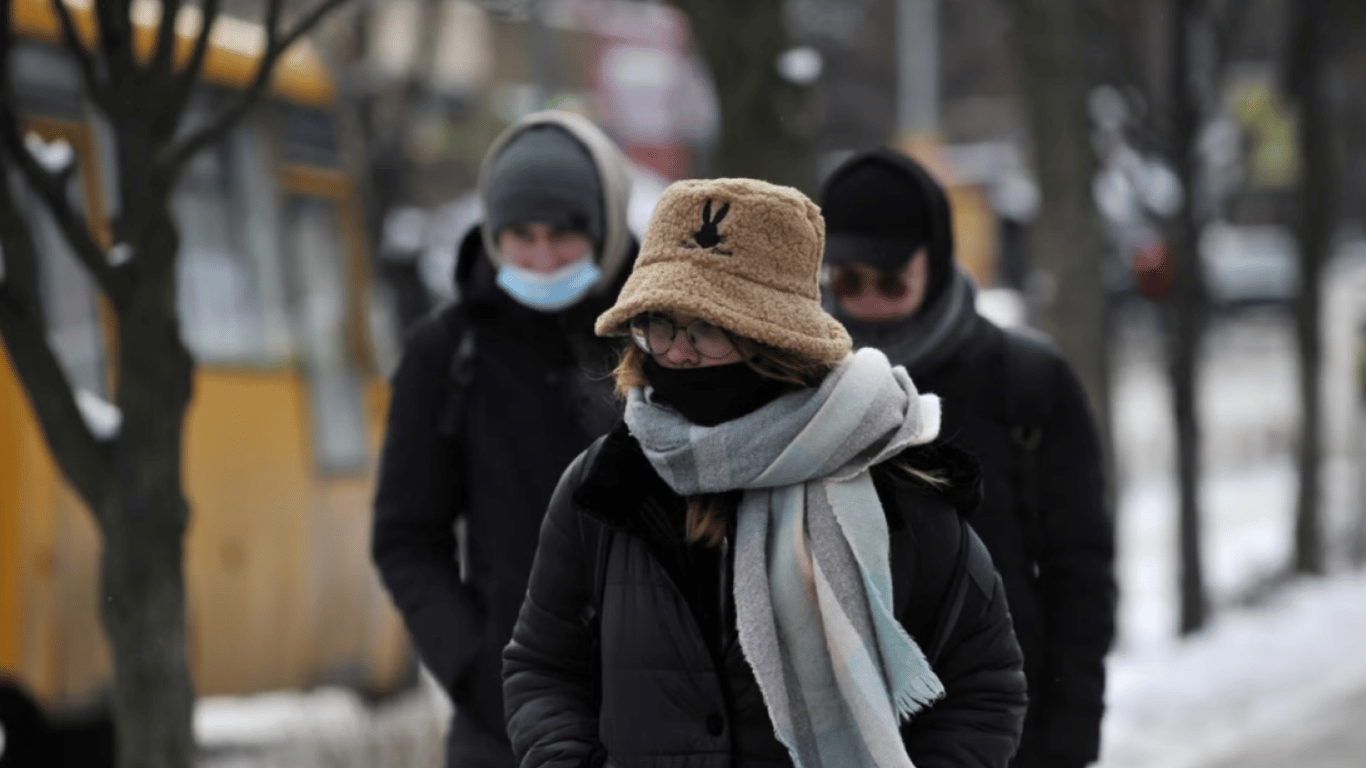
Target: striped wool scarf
[{"x": 813, "y": 586}]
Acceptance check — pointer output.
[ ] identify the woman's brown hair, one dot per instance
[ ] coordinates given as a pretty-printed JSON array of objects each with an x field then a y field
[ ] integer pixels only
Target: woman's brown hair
[{"x": 708, "y": 512}]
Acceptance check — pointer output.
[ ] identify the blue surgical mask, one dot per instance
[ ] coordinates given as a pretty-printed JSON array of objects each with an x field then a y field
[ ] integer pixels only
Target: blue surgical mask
[{"x": 549, "y": 291}]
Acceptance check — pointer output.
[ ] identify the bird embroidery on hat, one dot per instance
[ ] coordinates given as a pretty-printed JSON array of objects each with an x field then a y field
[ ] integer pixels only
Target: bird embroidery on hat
[{"x": 709, "y": 237}]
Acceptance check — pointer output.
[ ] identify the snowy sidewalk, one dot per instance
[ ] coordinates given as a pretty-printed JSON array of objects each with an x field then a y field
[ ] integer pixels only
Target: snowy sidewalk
[{"x": 1190, "y": 704}]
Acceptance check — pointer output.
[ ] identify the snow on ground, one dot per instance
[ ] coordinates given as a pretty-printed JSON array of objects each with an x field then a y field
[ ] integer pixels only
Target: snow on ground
[
  {"x": 324, "y": 728},
  {"x": 1184, "y": 705},
  {"x": 1271, "y": 654},
  {"x": 1248, "y": 519}
]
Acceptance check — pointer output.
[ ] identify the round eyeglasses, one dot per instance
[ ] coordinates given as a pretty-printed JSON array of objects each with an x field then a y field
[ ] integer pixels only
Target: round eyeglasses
[{"x": 656, "y": 333}]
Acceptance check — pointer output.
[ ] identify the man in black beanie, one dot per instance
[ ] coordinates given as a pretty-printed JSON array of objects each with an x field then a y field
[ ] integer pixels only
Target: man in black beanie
[
  {"x": 494, "y": 397},
  {"x": 1010, "y": 399}
]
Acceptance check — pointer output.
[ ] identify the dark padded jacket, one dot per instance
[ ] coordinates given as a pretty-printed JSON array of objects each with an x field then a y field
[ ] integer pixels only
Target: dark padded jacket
[
  {"x": 670, "y": 687},
  {"x": 539, "y": 392},
  {"x": 1057, "y": 566},
  {"x": 1056, "y": 561}
]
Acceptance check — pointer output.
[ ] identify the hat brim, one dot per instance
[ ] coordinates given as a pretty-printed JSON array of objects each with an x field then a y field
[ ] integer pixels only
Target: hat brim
[
  {"x": 887, "y": 254},
  {"x": 741, "y": 306}
]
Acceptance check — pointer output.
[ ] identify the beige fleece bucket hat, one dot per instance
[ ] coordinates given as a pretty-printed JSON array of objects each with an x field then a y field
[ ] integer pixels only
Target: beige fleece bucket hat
[{"x": 739, "y": 253}]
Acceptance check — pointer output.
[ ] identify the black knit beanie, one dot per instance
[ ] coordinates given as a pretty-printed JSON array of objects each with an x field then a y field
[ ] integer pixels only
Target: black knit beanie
[
  {"x": 875, "y": 214},
  {"x": 543, "y": 174}
]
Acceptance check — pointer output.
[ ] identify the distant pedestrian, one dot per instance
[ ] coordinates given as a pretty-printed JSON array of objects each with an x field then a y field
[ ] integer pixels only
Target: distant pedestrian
[
  {"x": 763, "y": 566},
  {"x": 1011, "y": 400},
  {"x": 493, "y": 398}
]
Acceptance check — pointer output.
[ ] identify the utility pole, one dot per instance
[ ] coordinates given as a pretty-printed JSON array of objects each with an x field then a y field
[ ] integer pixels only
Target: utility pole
[
  {"x": 917, "y": 72},
  {"x": 541, "y": 51}
]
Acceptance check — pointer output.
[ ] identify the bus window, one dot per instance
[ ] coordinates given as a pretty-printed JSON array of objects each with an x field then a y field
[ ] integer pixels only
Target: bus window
[
  {"x": 68, "y": 295},
  {"x": 219, "y": 309},
  {"x": 307, "y": 135},
  {"x": 230, "y": 293},
  {"x": 316, "y": 254},
  {"x": 253, "y": 178}
]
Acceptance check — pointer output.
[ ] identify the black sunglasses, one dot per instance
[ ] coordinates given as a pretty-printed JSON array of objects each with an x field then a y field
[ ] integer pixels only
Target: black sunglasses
[{"x": 846, "y": 282}]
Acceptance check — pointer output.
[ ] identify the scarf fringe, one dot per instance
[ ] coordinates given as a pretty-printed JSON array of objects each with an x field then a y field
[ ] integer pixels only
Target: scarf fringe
[{"x": 917, "y": 696}]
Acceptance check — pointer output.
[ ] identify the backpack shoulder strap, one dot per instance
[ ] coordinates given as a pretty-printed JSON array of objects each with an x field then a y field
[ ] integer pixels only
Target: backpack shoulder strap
[
  {"x": 597, "y": 546},
  {"x": 973, "y": 564},
  {"x": 600, "y": 547},
  {"x": 460, "y": 376},
  {"x": 1028, "y": 363}
]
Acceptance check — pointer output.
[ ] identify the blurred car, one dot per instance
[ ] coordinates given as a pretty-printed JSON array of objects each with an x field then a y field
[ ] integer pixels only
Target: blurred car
[{"x": 1247, "y": 265}]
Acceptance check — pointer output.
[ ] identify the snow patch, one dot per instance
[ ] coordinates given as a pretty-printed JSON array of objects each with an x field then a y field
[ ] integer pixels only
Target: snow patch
[
  {"x": 101, "y": 416},
  {"x": 56, "y": 157},
  {"x": 1252, "y": 672},
  {"x": 277, "y": 717},
  {"x": 1002, "y": 306}
]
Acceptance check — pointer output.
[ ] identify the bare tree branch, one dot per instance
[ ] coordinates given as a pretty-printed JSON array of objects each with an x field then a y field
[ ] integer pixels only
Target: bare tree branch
[
  {"x": 116, "y": 40},
  {"x": 50, "y": 187},
  {"x": 183, "y": 83},
  {"x": 83, "y": 459},
  {"x": 163, "y": 57},
  {"x": 176, "y": 155},
  {"x": 84, "y": 60}
]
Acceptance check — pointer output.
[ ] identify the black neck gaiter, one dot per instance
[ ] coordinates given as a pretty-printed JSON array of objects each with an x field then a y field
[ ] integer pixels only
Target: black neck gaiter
[{"x": 712, "y": 395}]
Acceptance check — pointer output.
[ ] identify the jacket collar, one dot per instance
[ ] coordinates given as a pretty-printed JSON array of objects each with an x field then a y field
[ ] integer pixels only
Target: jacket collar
[{"x": 621, "y": 484}]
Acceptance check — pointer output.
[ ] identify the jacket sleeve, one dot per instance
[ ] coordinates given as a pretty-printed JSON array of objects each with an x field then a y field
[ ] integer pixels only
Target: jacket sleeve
[
  {"x": 977, "y": 723},
  {"x": 417, "y": 502},
  {"x": 1076, "y": 580},
  {"x": 548, "y": 670}
]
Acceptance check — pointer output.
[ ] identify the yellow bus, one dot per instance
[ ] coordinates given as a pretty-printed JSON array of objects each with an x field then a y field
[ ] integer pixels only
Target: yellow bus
[{"x": 282, "y": 437}]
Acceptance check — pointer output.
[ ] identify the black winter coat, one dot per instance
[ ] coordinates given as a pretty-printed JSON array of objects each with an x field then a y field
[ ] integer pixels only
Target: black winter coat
[
  {"x": 1058, "y": 571},
  {"x": 669, "y": 687},
  {"x": 539, "y": 393}
]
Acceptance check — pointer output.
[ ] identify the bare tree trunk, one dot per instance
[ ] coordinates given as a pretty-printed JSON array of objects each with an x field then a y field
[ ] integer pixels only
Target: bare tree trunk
[
  {"x": 142, "y": 566},
  {"x": 1067, "y": 241},
  {"x": 768, "y": 125},
  {"x": 1358, "y": 547},
  {"x": 1306, "y": 77},
  {"x": 131, "y": 481},
  {"x": 1185, "y": 315}
]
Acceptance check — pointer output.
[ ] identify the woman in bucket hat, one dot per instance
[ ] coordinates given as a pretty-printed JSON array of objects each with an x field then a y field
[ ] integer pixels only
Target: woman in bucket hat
[{"x": 763, "y": 565}]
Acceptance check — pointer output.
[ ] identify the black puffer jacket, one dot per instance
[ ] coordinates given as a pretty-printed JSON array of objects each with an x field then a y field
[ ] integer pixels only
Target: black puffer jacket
[
  {"x": 671, "y": 687},
  {"x": 1056, "y": 561},
  {"x": 1059, "y": 570},
  {"x": 539, "y": 393}
]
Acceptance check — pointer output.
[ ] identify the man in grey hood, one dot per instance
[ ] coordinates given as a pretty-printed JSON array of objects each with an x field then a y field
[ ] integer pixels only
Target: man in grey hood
[
  {"x": 1012, "y": 401},
  {"x": 494, "y": 397}
]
